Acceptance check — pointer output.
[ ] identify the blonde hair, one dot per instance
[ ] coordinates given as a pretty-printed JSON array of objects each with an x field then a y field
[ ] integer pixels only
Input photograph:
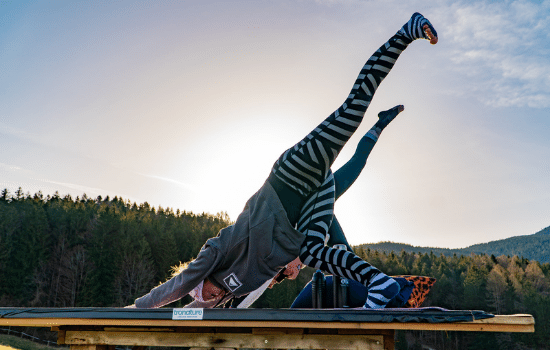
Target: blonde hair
[{"x": 177, "y": 269}]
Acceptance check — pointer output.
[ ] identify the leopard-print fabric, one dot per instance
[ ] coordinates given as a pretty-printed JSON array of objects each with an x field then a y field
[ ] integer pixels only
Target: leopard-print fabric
[{"x": 422, "y": 286}]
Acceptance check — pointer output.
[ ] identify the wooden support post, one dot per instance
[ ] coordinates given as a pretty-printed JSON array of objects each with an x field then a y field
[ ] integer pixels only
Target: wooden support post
[
  {"x": 389, "y": 340},
  {"x": 60, "y": 335}
]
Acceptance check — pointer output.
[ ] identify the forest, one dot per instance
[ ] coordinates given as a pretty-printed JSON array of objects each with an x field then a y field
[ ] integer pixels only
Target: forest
[
  {"x": 59, "y": 251},
  {"x": 533, "y": 247}
]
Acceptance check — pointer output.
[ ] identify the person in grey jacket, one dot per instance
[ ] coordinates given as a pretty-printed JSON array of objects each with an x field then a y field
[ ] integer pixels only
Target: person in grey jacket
[{"x": 290, "y": 216}]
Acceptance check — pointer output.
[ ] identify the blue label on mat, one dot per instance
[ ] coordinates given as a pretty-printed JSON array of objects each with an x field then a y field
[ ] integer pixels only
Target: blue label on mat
[{"x": 187, "y": 314}]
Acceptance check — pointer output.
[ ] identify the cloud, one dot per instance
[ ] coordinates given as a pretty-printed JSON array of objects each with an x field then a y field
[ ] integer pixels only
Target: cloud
[
  {"x": 90, "y": 191},
  {"x": 24, "y": 135},
  {"x": 13, "y": 177},
  {"x": 10, "y": 167},
  {"x": 9, "y": 130},
  {"x": 175, "y": 182},
  {"x": 336, "y": 2},
  {"x": 503, "y": 48}
]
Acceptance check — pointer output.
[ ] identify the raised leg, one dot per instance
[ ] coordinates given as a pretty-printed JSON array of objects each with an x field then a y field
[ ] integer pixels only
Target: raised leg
[{"x": 305, "y": 169}]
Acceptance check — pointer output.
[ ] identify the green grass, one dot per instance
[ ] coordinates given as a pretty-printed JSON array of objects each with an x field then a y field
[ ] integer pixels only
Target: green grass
[{"x": 23, "y": 344}]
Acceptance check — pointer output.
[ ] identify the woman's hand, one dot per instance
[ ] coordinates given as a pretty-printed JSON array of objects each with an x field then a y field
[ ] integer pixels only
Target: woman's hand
[{"x": 293, "y": 269}]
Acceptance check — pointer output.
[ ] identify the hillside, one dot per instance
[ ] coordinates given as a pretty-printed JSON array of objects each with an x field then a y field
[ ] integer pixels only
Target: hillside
[{"x": 532, "y": 247}]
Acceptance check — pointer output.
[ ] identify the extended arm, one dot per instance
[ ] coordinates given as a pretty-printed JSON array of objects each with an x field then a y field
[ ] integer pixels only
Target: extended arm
[{"x": 180, "y": 285}]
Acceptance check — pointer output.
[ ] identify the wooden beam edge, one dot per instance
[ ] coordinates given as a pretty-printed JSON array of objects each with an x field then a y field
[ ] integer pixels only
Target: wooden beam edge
[{"x": 512, "y": 323}]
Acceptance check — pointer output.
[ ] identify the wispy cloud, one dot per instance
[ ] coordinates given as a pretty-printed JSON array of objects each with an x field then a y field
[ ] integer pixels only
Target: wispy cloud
[
  {"x": 175, "y": 182},
  {"x": 10, "y": 167},
  {"x": 18, "y": 133},
  {"x": 336, "y": 2},
  {"x": 9, "y": 130},
  {"x": 21, "y": 177},
  {"x": 503, "y": 47},
  {"x": 79, "y": 188}
]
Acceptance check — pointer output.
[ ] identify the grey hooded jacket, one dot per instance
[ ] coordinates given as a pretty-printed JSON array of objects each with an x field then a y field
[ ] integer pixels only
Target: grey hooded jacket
[{"x": 241, "y": 257}]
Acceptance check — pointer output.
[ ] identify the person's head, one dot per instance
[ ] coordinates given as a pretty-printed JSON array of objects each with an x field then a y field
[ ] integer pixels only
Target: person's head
[
  {"x": 210, "y": 291},
  {"x": 206, "y": 291}
]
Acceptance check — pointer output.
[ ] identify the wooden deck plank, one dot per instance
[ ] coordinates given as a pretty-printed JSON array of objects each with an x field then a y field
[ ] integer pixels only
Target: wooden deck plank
[
  {"x": 226, "y": 340},
  {"x": 499, "y": 323}
]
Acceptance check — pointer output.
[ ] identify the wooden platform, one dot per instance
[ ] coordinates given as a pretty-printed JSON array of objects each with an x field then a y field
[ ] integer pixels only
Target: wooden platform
[{"x": 319, "y": 329}]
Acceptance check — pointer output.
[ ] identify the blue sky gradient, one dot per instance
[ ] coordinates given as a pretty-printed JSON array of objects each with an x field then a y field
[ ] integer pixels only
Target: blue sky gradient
[{"x": 187, "y": 104}]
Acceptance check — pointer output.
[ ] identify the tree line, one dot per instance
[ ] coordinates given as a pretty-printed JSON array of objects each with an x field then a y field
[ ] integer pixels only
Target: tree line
[
  {"x": 63, "y": 252},
  {"x": 533, "y": 247},
  {"x": 500, "y": 285},
  {"x": 68, "y": 252}
]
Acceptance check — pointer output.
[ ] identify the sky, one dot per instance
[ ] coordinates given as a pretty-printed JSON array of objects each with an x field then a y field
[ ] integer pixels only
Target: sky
[{"x": 187, "y": 104}]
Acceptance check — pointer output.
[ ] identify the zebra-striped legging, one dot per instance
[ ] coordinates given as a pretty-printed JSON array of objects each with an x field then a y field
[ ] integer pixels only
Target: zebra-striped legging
[{"x": 303, "y": 179}]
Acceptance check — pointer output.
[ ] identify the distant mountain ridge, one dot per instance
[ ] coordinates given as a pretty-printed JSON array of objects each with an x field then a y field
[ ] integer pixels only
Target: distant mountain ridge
[{"x": 533, "y": 247}]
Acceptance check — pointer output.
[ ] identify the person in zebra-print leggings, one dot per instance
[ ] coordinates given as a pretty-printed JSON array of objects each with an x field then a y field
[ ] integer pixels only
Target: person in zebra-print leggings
[
  {"x": 292, "y": 213},
  {"x": 304, "y": 182}
]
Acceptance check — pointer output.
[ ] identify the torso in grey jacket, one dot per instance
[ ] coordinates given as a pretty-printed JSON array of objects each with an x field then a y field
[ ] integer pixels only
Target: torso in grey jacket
[{"x": 242, "y": 257}]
